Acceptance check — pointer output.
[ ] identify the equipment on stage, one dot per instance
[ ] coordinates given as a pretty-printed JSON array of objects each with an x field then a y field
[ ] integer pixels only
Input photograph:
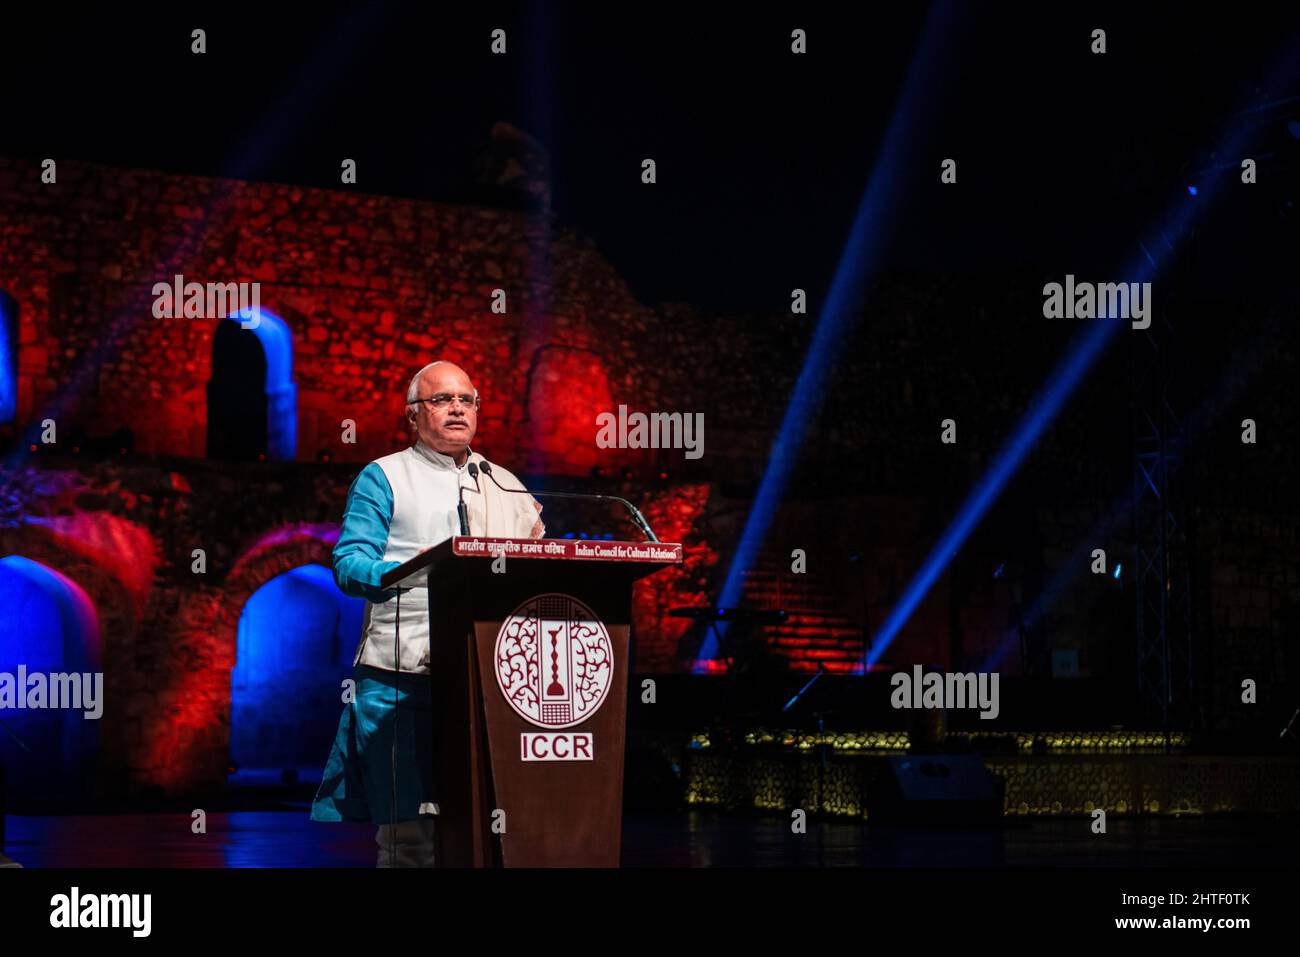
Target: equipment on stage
[
  {"x": 933, "y": 788},
  {"x": 750, "y": 663},
  {"x": 739, "y": 653},
  {"x": 1288, "y": 618},
  {"x": 711, "y": 614}
]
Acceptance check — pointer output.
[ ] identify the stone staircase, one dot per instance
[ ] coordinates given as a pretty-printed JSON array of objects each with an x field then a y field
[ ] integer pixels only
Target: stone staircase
[{"x": 815, "y": 630}]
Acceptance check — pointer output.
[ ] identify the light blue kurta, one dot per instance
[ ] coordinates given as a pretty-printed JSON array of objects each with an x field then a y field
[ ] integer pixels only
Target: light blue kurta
[
  {"x": 359, "y": 552},
  {"x": 377, "y": 734},
  {"x": 378, "y": 739}
]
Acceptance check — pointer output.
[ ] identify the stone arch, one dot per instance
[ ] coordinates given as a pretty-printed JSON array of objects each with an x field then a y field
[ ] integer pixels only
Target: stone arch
[
  {"x": 275, "y": 553},
  {"x": 185, "y": 744},
  {"x": 252, "y": 397},
  {"x": 182, "y": 744},
  {"x": 8, "y": 358},
  {"x": 294, "y": 647},
  {"x": 51, "y": 630},
  {"x": 117, "y": 605}
]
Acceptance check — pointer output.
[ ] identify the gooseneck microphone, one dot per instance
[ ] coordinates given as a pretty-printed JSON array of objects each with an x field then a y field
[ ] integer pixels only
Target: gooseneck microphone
[
  {"x": 637, "y": 517},
  {"x": 462, "y": 512}
]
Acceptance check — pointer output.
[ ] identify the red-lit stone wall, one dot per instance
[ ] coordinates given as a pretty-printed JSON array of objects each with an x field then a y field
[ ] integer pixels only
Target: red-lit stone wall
[{"x": 370, "y": 287}]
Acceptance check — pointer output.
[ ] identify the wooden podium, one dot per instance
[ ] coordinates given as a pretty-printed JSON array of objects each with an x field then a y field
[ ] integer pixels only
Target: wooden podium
[{"x": 529, "y": 662}]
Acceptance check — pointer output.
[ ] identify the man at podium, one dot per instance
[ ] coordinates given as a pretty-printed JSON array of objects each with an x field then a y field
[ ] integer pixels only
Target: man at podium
[{"x": 381, "y": 766}]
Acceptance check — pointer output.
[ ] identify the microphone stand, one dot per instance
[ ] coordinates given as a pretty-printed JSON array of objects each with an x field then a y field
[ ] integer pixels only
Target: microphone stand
[
  {"x": 821, "y": 733},
  {"x": 637, "y": 517}
]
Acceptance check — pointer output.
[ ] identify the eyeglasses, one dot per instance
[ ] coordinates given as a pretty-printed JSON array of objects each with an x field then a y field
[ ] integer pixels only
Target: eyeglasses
[{"x": 443, "y": 399}]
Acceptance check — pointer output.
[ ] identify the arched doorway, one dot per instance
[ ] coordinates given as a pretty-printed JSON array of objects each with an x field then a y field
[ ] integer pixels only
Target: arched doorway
[
  {"x": 296, "y": 640},
  {"x": 8, "y": 358},
  {"x": 50, "y": 629},
  {"x": 567, "y": 388},
  {"x": 252, "y": 399}
]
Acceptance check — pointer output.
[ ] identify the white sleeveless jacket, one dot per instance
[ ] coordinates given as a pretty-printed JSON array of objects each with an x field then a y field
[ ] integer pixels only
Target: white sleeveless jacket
[{"x": 424, "y": 484}]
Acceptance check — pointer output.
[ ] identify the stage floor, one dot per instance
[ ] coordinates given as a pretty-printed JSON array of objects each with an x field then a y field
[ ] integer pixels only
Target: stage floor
[{"x": 700, "y": 838}]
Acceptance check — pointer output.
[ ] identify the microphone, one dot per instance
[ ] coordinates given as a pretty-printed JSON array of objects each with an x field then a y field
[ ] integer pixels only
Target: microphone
[
  {"x": 461, "y": 511},
  {"x": 637, "y": 517}
]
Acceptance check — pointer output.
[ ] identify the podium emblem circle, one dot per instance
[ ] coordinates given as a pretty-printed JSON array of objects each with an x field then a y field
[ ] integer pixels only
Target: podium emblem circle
[{"x": 554, "y": 661}]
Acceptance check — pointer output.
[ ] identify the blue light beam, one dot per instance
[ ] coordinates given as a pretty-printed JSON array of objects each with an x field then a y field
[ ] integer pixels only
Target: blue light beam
[
  {"x": 1064, "y": 379},
  {"x": 860, "y": 259}
]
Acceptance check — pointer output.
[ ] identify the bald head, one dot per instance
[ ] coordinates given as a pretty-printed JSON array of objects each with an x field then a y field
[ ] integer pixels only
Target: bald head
[
  {"x": 412, "y": 391},
  {"x": 448, "y": 423}
]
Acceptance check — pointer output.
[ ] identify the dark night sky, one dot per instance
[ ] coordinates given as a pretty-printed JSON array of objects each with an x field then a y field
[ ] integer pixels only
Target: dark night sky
[{"x": 1065, "y": 158}]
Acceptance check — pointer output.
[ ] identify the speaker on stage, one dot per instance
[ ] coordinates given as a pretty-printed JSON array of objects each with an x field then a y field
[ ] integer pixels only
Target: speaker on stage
[{"x": 935, "y": 788}]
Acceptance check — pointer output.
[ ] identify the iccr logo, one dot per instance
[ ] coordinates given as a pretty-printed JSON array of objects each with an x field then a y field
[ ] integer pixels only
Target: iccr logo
[{"x": 554, "y": 661}]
